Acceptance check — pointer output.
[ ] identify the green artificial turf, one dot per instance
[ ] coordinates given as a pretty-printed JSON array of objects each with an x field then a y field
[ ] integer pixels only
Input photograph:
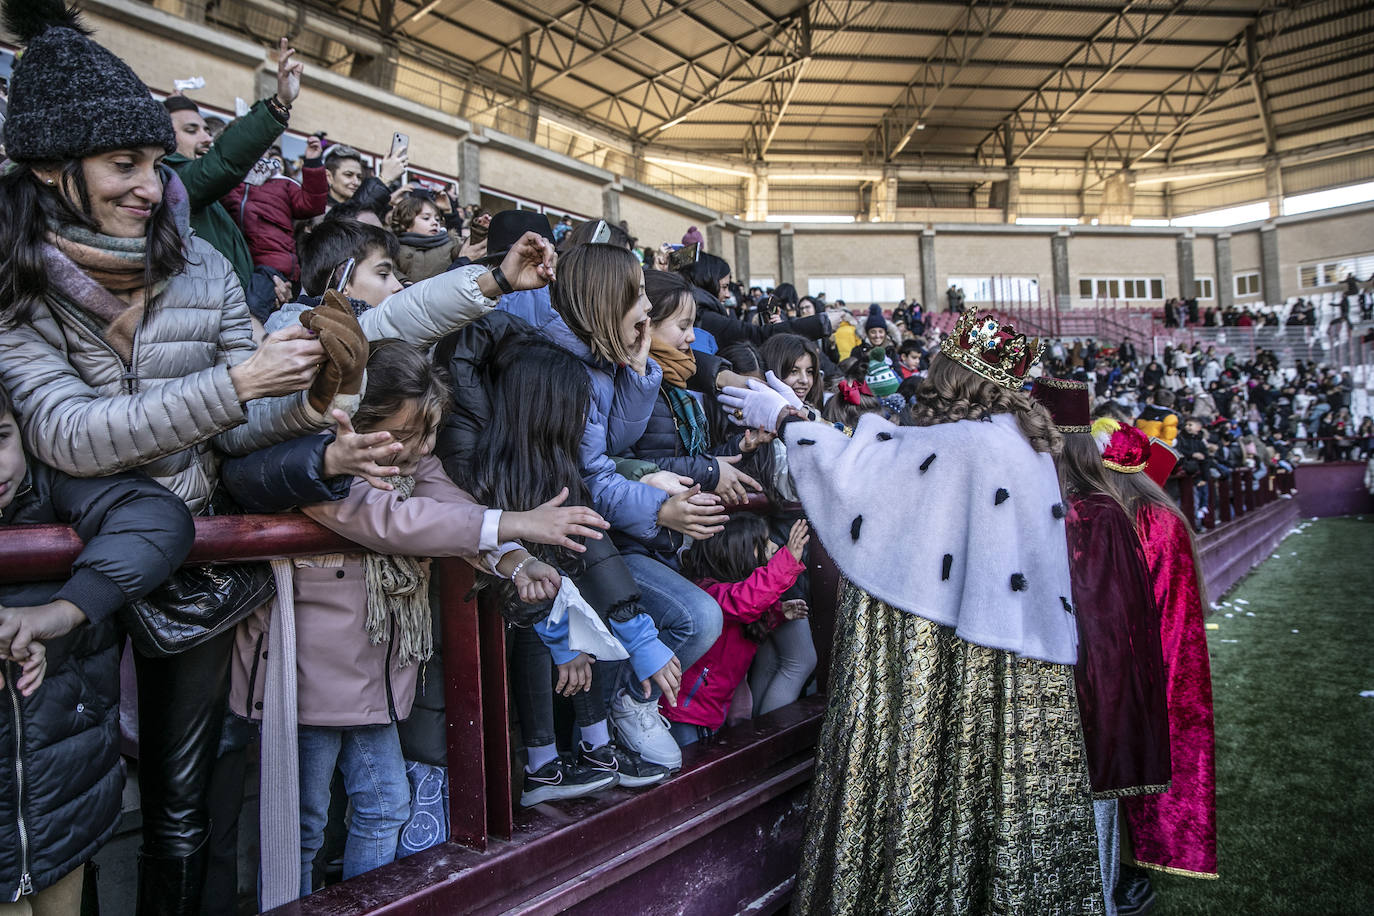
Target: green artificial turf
[{"x": 1295, "y": 740}]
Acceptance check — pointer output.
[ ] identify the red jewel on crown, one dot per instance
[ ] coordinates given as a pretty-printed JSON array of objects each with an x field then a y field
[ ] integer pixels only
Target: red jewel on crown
[{"x": 992, "y": 349}]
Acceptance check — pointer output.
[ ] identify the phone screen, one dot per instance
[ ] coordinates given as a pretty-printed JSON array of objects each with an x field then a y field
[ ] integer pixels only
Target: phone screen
[{"x": 685, "y": 255}]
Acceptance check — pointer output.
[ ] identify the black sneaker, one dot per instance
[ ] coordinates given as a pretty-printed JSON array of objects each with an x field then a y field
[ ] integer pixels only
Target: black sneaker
[
  {"x": 630, "y": 769},
  {"x": 1135, "y": 895},
  {"x": 560, "y": 779}
]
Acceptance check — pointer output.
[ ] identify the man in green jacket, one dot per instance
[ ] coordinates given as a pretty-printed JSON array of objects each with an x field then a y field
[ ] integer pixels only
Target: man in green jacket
[{"x": 211, "y": 171}]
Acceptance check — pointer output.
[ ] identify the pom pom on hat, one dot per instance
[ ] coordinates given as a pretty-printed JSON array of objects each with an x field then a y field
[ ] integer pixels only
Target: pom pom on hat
[
  {"x": 69, "y": 96},
  {"x": 881, "y": 379},
  {"x": 875, "y": 317}
]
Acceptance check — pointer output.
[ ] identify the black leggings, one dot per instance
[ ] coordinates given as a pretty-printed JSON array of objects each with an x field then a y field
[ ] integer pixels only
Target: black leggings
[
  {"x": 532, "y": 680},
  {"x": 181, "y": 703}
]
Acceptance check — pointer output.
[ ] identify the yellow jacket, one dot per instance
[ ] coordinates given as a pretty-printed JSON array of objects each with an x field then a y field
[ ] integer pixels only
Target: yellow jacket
[{"x": 846, "y": 339}]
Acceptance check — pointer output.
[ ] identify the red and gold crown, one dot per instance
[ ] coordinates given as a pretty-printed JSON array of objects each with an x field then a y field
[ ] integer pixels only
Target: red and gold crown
[
  {"x": 1124, "y": 449},
  {"x": 992, "y": 349}
]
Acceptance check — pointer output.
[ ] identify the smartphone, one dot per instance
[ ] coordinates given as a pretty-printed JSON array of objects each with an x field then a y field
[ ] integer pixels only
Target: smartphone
[
  {"x": 400, "y": 143},
  {"x": 345, "y": 274},
  {"x": 602, "y": 235},
  {"x": 685, "y": 255}
]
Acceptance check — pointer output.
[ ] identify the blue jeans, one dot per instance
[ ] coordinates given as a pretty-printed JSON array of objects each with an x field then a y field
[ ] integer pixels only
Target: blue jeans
[
  {"x": 374, "y": 774},
  {"x": 687, "y": 618}
]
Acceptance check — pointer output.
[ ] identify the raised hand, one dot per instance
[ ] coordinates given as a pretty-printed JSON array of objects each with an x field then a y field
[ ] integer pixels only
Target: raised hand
[
  {"x": 554, "y": 523},
  {"x": 288, "y": 73},
  {"x": 365, "y": 455},
  {"x": 691, "y": 513},
  {"x": 733, "y": 485},
  {"x": 797, "y": 538}
]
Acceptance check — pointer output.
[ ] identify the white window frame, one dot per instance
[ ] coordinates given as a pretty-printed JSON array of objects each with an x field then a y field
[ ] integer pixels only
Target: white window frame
[
  {"x": 1329, "y": 272},
  {"x": 860, "y": 290},
  {"x": 1211, "y": 287},
  {"x": 1241, "y": 282},
  {"x": 998, "y": 288},
  {"x": 1125, "y": 289}
]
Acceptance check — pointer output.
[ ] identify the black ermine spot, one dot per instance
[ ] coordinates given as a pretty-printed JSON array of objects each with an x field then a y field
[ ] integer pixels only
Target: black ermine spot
[
  {"x": 806, "y": 441},
  {"x": 1057, "y": 510},
  {"x": 945, "y": 566},
  {"x": 925, "y": 465},
  {"x": 1018, "y": 582},
  {"x": 883, "y": 437},
  {"x": 1001, "y": 497},
  {"x": 855, "y": 525},
  {"x": 1068, "y": 608}
]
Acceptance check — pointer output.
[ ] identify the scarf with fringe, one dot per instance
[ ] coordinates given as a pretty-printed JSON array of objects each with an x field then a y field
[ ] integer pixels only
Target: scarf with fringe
[{"x": 398, "y": 588}]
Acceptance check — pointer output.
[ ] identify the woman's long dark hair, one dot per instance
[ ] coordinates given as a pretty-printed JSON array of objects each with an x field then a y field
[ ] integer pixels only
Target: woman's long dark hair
[
  {"x": 28, "y": 207},
  {"x": 665, "y": 291},
  {"x": 781, "y": 353},
  {"x": 706, "y": 273},
  {"x": 540, "y": 395}
]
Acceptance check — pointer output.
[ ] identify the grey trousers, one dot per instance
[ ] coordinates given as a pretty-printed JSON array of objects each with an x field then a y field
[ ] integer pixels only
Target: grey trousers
[{"x": 1108, "y": 848}]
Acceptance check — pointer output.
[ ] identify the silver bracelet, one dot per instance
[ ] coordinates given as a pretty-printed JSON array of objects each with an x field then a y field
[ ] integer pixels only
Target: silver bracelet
[{"x": 519, "y": 566}]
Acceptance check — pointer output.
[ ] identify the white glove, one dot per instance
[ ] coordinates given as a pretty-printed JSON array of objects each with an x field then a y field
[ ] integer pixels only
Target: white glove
[
  {"x": 785, "y": 390},
  {"x": 755, "y": 407}
]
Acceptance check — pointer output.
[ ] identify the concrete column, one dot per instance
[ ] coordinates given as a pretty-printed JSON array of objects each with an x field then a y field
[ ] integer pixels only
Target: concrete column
[
  {"x": 1226, "y": 284},
  {"x": 610, "y": 203},
  {"x": 930, "y": 280},
  {"x": 1006, "y": 196},
  {"x": 532, "y": 122},
  {"x": 470, "y": 170},
  {"x": 713, "y": 242},
  {"x": 1270, "y": 284},
  {"x": 1187, "y": 287},
  {"x": 1059, "y": 260},
  {"x": 786, "y": 262},
  {"x": 1273, "y": 188},
  {"x": 1118, "y": 199},
  {"x": 741, "y": 262},
  {"x": 889, "y": 196},
  {"x": 756, "y": 209}
]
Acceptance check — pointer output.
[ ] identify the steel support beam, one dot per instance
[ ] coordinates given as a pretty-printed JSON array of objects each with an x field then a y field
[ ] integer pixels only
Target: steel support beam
[
  {"x": 957, "y": 48},
  {"x": 1090, "y": 65}
]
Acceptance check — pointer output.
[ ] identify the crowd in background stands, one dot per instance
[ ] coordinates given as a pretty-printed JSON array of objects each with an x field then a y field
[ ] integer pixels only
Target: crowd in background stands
[{"x": 192, "y": 324}]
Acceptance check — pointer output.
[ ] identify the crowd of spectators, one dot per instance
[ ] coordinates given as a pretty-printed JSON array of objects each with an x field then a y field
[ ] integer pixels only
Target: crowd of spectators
[{"x": 192, "y": 324}]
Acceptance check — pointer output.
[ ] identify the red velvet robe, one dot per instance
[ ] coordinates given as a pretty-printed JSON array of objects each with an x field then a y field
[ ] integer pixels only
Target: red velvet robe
[
  {"x": 1120, "y": 672},
  {"x": 1177, "y": 831}
]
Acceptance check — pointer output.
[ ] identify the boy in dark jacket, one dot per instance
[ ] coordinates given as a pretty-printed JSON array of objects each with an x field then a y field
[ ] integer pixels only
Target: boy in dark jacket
[{"x": 59, "y": 666}]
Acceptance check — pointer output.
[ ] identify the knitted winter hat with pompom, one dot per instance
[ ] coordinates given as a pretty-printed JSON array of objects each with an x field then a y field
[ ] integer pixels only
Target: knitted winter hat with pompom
[
  {"x": 880, "y": 378},
  {"x": 70, "y": 97}
]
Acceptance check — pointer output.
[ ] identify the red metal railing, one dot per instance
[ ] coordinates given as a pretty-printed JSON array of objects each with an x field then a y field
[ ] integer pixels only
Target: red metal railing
[{"x": 1231, "y": 497}]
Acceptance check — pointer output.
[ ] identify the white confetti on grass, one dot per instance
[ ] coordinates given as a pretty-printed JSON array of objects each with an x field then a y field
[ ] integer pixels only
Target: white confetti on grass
[
  {"x": 1367, "y": 694},
  {"x": 1230, "y": 640},
  {"x": 1294, "y": 631},
  {"x": 1249, "y": 613},
  {"x": 1241, "y": 601},
  {"x": 1229, "y": 614}
]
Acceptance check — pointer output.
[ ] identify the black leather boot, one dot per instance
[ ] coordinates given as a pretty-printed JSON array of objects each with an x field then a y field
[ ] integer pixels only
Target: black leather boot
[{"x": 171, "y": 885}]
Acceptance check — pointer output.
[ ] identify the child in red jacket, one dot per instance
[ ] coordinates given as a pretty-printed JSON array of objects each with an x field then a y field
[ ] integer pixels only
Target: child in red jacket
[{"x": 747, "y": 574}]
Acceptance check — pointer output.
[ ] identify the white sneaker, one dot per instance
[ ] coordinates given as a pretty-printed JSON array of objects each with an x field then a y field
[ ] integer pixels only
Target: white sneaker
[{"x": 641, "y": 728}]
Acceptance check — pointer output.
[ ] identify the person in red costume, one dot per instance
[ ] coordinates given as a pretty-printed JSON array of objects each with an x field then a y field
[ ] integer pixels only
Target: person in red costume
[
  {"x": 1120, "y": 672},
  {"x": 1174, "y": 832}
]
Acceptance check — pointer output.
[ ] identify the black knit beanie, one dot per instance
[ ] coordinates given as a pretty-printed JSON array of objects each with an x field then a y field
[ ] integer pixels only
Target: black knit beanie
[
  {"x": 70, "y": 97},
  {"x": 875, "y": 317}
]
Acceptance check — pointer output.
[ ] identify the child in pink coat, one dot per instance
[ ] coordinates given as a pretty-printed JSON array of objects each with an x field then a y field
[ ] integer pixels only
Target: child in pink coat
[{"x": 747, "y": 574}]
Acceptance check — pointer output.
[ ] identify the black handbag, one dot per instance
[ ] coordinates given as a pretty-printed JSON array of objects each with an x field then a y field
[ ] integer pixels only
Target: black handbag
[{"x": 197, "y": 603}]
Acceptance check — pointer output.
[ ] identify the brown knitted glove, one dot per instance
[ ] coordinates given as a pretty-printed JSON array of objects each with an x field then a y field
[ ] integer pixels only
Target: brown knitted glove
[{"x": 345, "y": 350}]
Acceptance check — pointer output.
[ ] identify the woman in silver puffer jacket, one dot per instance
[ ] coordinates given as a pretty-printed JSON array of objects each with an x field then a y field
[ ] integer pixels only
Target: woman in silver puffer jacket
[{"x": 126, "y": 343}]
